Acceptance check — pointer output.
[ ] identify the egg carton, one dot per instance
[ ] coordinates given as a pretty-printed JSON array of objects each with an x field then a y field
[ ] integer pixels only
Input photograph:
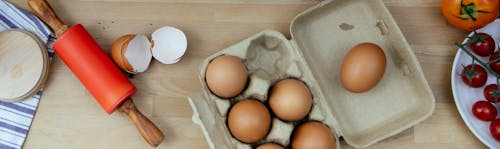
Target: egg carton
[
  {"x": 269, "y": 59},
  {"x": 321, "y": 37}
]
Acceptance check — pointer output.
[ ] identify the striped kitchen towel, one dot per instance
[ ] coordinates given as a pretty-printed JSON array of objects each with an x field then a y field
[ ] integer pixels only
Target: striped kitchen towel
[{"x": 16, "y": 118}]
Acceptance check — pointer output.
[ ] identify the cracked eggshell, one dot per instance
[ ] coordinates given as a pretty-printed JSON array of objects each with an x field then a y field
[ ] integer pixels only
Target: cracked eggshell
[
  {"x": 132, "y": 53},
  {"x": 169, "y": 44}
]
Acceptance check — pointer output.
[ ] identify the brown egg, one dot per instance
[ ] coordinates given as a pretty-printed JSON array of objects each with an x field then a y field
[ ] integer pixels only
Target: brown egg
[
  {"x": 270, "y": 146},
  {"x": 313, "y": 135},
  {"x": 290, "y": 100},
  {"x": 249, "y": 121},
  {"x": 226, "y": 76},
  {"x": 363, "y": 67}
]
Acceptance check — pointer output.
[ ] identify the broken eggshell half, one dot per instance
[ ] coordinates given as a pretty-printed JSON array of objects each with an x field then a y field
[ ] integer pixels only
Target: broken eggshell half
[
  {"x": 133, "y": 53},
  {"x": 169, "y": 43}
]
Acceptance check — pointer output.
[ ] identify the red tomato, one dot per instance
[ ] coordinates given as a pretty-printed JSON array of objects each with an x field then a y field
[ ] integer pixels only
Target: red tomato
[
  {"x": 469, "y": 14},
  {"x": 495, "y": 129},
  {"x": 495, "y": 66},
  {"x": 482, "y": 44},
  {"x": 484, "y": 111},
  {"x": 492, "y": 93},
  {"x": 474, "y": 75}
]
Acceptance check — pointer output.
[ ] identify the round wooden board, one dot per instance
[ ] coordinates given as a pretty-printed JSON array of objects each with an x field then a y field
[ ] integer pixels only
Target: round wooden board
[{"x": 24, "y": 65}]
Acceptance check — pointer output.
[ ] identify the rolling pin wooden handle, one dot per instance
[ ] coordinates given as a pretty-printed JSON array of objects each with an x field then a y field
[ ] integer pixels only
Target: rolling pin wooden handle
[
  {"x": 148, "y": 129},
  {"x": 43, "y": 10}
]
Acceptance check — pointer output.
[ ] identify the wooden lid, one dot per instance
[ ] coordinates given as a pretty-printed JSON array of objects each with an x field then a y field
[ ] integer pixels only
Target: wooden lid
[{"x": 24, "y": 65}]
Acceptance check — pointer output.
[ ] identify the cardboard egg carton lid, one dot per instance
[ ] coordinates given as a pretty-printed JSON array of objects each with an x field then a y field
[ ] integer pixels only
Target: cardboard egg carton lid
[
  {"x": 324, "y": 34},
  {"x": 321, "y": 37}
]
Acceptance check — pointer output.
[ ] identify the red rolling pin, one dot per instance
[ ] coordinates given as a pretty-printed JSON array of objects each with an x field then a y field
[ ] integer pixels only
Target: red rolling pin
[{"x": 90, "y": 64}]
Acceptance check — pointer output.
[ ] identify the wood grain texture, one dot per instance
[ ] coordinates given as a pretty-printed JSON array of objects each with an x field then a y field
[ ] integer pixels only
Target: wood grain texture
[
  {"x": 68, "y": 117},
  {"x": 43, "y": 10},
  {"x": 24, "y": 66},
  {"x": 149, "y": 131}
]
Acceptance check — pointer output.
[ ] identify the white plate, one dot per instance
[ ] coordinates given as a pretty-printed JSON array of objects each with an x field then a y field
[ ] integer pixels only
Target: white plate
[{"x": 466, "y": 96}]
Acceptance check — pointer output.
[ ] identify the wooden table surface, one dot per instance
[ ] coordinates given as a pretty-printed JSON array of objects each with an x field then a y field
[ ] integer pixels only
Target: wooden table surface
[{"x": 68, "y": 116}]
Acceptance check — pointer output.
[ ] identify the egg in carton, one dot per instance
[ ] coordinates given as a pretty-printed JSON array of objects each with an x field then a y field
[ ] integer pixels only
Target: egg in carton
[
  {"x": 321, "y": 37},
  {"x": 269, "y": 59}
]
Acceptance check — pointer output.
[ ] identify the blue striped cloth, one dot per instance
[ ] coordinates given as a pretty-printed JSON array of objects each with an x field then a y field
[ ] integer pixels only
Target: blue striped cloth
[{"x": 16, "y": 118}]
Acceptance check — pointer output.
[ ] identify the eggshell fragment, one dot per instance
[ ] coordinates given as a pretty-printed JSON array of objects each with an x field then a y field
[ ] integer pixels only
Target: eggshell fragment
[
  {"x": 132, "y": 53},
  {"x": 117, "y": 50},
  {"x": 138, "y": 53},
  {"x": 169, "y": 44}
]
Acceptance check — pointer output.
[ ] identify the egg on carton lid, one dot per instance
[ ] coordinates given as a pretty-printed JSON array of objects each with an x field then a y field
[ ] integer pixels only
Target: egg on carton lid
[{"x": 133, "y": 52}]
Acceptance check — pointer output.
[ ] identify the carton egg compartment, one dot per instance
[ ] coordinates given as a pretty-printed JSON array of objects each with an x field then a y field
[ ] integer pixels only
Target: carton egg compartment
[{"x": 268, "y": 60}]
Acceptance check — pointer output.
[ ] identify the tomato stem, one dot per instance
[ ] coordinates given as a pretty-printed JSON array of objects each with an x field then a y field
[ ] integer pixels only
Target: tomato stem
[
  {"x": 474, "y": 58},
  {"x": 496, "y": 56},
  {"x": 496, "y": 93},
  {"x": 477, "y": 38}
]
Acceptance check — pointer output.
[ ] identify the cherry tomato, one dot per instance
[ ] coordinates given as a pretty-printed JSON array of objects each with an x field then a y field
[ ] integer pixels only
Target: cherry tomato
[
  {"x": 495, "y": 62},
  {"x": 482, "y": 44},
  {"x": 484, "y": 111},
  {"x": 474, "y": 75},
  {"x": 469, "y": 14},
  {"x": 495, "y": 129},
  {"x": 492, "y": 93}
]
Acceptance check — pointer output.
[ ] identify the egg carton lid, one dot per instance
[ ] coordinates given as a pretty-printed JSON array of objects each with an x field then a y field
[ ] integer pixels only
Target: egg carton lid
[{"x": 324, "y": 34}]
